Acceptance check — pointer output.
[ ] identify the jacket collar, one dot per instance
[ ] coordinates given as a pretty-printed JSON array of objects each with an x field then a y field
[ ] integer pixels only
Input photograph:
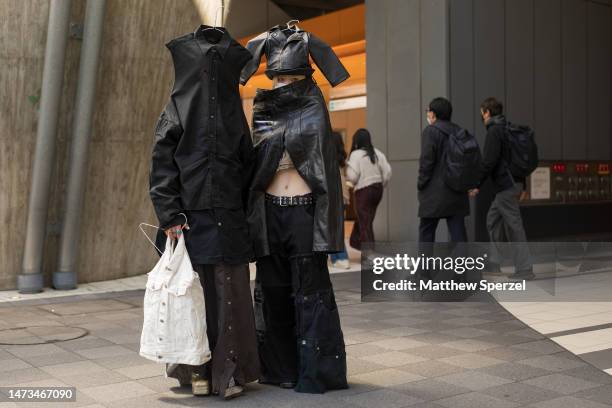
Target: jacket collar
[
  {"x": 278, "y": 30},
  {"x": 445, "y": 126},
  {"x": 206, "y": 46},
  {"x": 499, "y": 120}
]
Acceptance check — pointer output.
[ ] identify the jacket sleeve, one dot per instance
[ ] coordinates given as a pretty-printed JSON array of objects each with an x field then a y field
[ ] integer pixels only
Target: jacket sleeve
[
  {"x": 352, "y": 168},
  {"x": 164, "y": 175},
  {"x": 327, "y": 61},
  {"x": 427, "y": 160},
  {"x": 256, "y": 47},
  {"x": 491, "y": 153}
]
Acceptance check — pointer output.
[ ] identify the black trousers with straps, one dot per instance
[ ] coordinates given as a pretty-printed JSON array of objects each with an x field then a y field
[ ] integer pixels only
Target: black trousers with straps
[{"x": 296, "y": 316}]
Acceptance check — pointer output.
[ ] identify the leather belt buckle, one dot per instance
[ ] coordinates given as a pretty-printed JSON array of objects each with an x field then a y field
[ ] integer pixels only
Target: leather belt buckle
[{"x": 282, "y": 201}]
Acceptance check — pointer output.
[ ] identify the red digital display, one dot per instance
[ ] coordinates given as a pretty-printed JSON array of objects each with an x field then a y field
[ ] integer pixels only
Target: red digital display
[
  {"x": 559, "y": 168},
  {"x": 603, "y": 168},
  {"x": 582, "y": 168}
]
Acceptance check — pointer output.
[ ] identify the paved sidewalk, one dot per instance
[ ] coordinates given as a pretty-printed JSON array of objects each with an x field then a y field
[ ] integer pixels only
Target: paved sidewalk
[
  {"x": 116, "y": 285},
  {"x": 421, "y": 355}
]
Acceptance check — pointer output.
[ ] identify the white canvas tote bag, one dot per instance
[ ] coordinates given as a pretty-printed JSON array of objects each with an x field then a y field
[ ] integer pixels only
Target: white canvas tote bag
[{"x": 174, "y": 328}]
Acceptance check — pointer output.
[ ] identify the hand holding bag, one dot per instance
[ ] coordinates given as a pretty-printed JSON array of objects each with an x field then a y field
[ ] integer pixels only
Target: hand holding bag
[{"x": 174, "y": 328}]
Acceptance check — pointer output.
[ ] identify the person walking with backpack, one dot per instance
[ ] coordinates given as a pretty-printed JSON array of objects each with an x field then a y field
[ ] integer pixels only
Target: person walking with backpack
[
  {"x": 510, "y": 155},
  {"x": 369, "y": 172},
  {"x": 437, "y": 199}
]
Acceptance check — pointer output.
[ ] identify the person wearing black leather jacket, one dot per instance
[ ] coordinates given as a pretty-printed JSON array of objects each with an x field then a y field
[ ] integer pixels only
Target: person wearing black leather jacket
[
  {"x": 295, "y": 214},
  {"x": 201, "y": 167}
]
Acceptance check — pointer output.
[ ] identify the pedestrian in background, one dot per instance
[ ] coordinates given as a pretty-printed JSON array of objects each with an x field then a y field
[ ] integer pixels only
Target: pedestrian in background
[
  {"x": 340, "y": 259},
  {"x": 369, "y": 172},
  {"x": 504, "y": 221},
  {"x": 436, "y": 199}
]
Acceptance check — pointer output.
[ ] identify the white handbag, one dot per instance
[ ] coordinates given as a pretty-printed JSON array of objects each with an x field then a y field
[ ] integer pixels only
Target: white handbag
[{"x": 174, "y": 328}]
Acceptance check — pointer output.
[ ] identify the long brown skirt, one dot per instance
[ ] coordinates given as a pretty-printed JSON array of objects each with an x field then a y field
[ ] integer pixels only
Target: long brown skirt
[{"x": 230, "y": 326}]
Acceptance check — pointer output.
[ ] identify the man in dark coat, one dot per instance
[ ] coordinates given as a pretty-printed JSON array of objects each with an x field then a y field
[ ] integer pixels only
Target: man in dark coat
[
  {"x": 436, "y": 199},
  {"x": 504, "y": 221}
]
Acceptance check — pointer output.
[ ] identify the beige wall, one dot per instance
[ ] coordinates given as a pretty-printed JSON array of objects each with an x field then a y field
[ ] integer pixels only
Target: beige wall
[
  {"x": 23, "y": 27},
  {"x": 134, "y": 82}
]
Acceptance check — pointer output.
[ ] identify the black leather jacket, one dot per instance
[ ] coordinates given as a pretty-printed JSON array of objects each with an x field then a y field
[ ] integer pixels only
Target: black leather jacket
[
  {"x": 203, "y": 154},
  {"x": 295, "y": 117},
  {"x": 287, "y": 53}
]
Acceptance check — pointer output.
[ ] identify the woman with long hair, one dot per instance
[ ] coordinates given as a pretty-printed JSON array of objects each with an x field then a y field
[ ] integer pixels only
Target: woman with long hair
[{"x": 369, "y": 172}]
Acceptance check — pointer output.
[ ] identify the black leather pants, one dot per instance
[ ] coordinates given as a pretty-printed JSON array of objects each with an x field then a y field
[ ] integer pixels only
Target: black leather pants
[{"x": 296, "y": 317}]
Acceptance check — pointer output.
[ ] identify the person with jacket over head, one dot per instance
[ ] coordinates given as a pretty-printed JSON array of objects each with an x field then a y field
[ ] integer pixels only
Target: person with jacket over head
[
  {"x": 504, "y": 221},
  {"x": 369, "y": 172},
  {"x": 201, "y": 165},
  {"x": 295, "y": 214},
  {"x": 436, "y": 200}
]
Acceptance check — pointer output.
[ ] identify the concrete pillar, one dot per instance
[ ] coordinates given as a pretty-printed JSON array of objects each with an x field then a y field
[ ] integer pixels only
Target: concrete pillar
[
  {"x": 65, "y": 277},
  {"x": 407, "y": 65},
  {"x": 248, "y": 18},
  {"x": 31, "y": 279},
  {"x": 213, "y": 12}
]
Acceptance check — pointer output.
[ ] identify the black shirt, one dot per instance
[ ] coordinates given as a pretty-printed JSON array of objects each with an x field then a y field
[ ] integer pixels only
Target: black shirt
[
  {"x": 218, "y": 236},
  {"x": 202, "y": 157},
  {"x": 215, "y": 236},
  {"x": 287, "y": 53}
]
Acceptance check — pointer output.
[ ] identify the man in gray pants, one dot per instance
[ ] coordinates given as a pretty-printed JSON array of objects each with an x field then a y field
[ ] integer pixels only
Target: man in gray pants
[{"x": 504, "y": 222}]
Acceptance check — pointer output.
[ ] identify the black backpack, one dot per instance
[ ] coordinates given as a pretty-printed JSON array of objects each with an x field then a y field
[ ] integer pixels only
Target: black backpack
[
  {"x": 521, "y": 151},
  {"x": 462, "y": 161}
]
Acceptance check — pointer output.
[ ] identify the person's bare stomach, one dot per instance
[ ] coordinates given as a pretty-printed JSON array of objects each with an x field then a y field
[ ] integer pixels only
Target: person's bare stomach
[
  {"x": 287, "y": 182},
  {"x": 282, "y": 80}
]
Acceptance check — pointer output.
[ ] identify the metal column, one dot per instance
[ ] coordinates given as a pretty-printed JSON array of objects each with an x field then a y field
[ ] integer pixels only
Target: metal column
[
  {"x": 66, "y": 277},
  {"x": 31, "y": 279}
]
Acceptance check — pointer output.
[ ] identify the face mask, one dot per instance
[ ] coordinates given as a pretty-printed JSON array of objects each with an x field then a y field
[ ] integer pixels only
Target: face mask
[{"x": 429, "y": 121}]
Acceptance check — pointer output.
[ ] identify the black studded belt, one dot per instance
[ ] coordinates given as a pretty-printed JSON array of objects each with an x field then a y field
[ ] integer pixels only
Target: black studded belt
[{"x": 306, "y": 199}]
